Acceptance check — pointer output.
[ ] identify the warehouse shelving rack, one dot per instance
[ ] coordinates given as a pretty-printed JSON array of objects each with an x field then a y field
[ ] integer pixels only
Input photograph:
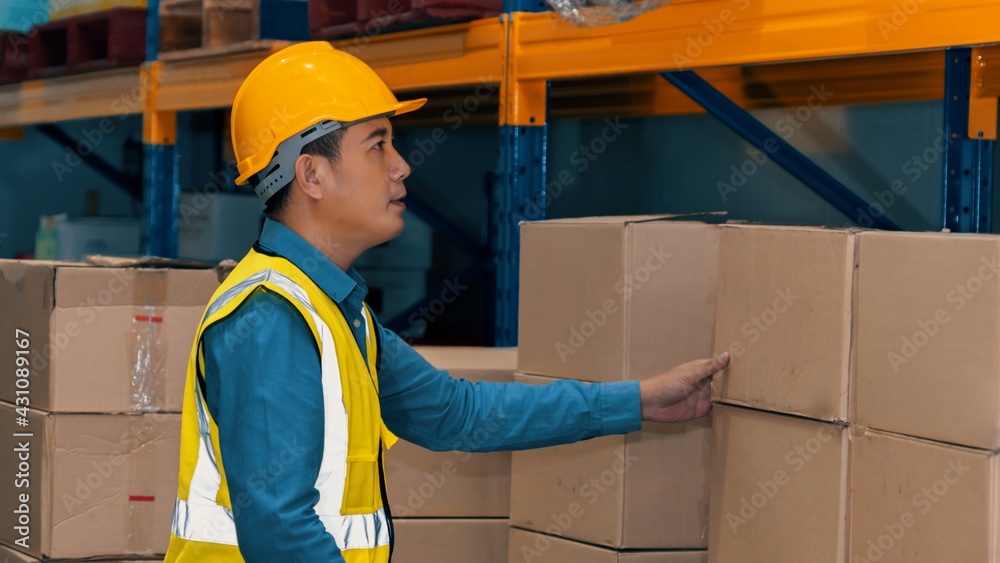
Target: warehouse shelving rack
[{"x": 726, "y": 55}]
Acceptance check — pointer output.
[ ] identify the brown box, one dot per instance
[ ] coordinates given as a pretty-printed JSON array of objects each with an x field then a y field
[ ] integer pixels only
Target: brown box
[
  {"x": 436, "y": 540},
  {"x": 784, "y": 313},
  {"x": 95, "y": 336},
  {"x": 928, "y": 363},
  {"x": 644, "y": 490},
  {"x": 779, "y": 488},
  {"x": 89, "y": 485},
  {"x": 529, "y": 547},
  {"x": 10, "y": 555},
  {"x": 635, "y": 296},
  {"x": 916, "y": 501},
  {"x": 423, "y": 483}
]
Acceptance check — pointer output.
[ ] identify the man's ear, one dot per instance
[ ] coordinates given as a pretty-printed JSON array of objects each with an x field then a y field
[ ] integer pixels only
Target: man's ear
[{"x": 307, "y": 177}]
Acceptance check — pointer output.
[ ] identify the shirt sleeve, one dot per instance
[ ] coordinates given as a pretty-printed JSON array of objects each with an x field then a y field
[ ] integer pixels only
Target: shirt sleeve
[
  {"x": 428, "y": 407},
  {"x": 264, "y": 390}
]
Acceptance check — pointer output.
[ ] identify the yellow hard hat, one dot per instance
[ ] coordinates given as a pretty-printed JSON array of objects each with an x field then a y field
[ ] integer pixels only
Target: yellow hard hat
[{"x": 298, "y": 95}]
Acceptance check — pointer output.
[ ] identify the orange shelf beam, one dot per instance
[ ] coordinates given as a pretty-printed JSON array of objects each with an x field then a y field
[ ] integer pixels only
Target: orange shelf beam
[{"x": 698, "y": 34}]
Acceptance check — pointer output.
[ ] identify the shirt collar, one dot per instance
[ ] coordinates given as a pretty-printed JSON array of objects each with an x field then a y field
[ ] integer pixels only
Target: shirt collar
[{"x": 336, "y": 283}]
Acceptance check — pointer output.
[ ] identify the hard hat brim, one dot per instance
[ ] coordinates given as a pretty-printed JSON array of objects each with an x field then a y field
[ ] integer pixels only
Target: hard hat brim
[{"x": 409, "y": 105}]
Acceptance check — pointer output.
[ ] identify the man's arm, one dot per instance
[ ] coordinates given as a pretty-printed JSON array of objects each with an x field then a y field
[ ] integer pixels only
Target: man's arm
[
  {"x": 264, "y": 390},
  {"x": 428, "y": 407}
]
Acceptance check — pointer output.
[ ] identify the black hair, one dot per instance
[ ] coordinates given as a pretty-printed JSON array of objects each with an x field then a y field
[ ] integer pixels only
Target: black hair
[{"x": 327, "y": 146}]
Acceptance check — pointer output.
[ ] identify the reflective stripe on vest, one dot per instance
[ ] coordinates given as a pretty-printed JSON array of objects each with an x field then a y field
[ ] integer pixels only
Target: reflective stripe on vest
[{"x": 201, "y": 518}]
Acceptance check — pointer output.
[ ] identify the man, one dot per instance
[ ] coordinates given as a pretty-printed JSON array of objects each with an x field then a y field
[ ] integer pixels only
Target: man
[{"x": 294, "y": 390}]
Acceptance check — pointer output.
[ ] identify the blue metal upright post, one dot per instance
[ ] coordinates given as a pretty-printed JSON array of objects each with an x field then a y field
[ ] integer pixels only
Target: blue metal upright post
[
  {"x": 518, "y": 194},
  {"x": 519, "y": 184},
  {"x": 160, "y": 191},
  {"x": 968, "y": 164},
  {"x": 160, "y": 200}
]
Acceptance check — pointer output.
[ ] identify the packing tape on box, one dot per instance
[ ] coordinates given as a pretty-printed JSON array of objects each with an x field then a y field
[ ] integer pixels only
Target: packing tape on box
[
  {"x": 147, "y": 341},
  {"x": 143, "y": 477}
]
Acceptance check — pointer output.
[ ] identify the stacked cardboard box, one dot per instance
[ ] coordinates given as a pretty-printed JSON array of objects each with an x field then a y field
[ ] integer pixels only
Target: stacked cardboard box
[
  {"x": 98, "y": 358},
  {"x": 854, "y": 351},
  {"x": 781, "y": 455},
  {"x": 612, "y": 299},
  {"x": 452, "y": 506},
  {"x": 925, "y": 470}
]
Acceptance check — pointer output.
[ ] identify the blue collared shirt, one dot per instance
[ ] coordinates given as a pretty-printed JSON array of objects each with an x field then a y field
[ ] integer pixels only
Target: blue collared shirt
[{"x": 264, "y": 390}]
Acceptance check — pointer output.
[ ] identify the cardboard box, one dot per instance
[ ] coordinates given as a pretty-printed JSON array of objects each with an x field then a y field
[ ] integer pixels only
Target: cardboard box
[
  {"x": 436, "y": 540},
  {"x": 917, "y": 501},
  {"x": 214, "y": 227},
  {"x": 423, "y": 483},
  {"x": 100, "y": 339},
  {"x": 636, "y": 296},
  {"x": 528, "y": 547},
  {"x": 779, "y": 488},
  {"x": 644, "y": 490},
  {"x": 928, "y": 363},
  {"x": 784, "y": 313},
  {"x": 89, "y": 485},
  {"x": 11, "y": 555}
]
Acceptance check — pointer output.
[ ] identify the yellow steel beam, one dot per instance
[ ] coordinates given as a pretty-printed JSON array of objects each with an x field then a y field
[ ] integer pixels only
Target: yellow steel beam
[
  {"x": 885, "y": 78},
  {"x": 523, "y": 102},
  {"x": 208, "y": 78},
  {"x": 159, "y": 127},
  {"x": 115, "y": 92},
  {"x": 695, "y": 34},
  {"x": 983, "y": 96},
  {"x": 460, "y": 54}
]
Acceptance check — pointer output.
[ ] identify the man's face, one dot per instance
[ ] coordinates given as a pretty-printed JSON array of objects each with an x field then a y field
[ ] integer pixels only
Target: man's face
[{"x": 365, "y": 184}]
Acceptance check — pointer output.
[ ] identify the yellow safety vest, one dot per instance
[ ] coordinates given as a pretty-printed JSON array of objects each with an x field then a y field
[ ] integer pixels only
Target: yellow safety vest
[{"x": 349, "y": 484}]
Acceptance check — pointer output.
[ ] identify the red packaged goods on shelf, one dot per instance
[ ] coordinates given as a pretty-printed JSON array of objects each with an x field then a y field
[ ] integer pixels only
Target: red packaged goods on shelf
[
  {"x": 335, "y": 18},
  {"x": 94, "y": 41},
  {"x": 13, "y": 57}
]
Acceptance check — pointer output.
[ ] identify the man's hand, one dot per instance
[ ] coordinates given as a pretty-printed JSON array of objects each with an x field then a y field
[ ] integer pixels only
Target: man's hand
[{"x": 682, "y": 393}]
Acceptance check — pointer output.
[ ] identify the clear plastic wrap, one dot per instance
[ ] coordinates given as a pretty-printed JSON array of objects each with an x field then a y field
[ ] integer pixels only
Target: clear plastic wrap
[
  {"x": 597, "y": 13},
  {"x": 148, "y": 359}
]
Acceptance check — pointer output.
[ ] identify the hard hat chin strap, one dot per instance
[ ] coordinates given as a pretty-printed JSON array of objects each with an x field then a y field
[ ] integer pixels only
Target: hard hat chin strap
[{"x": 280, "y": 171}]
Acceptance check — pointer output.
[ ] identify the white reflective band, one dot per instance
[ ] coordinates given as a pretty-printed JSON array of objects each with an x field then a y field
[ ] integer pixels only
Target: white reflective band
[
  {"x": 358, "y": 531},
  {"x": 256, "y": 279},
  {"x": 204, "y": 522}
]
